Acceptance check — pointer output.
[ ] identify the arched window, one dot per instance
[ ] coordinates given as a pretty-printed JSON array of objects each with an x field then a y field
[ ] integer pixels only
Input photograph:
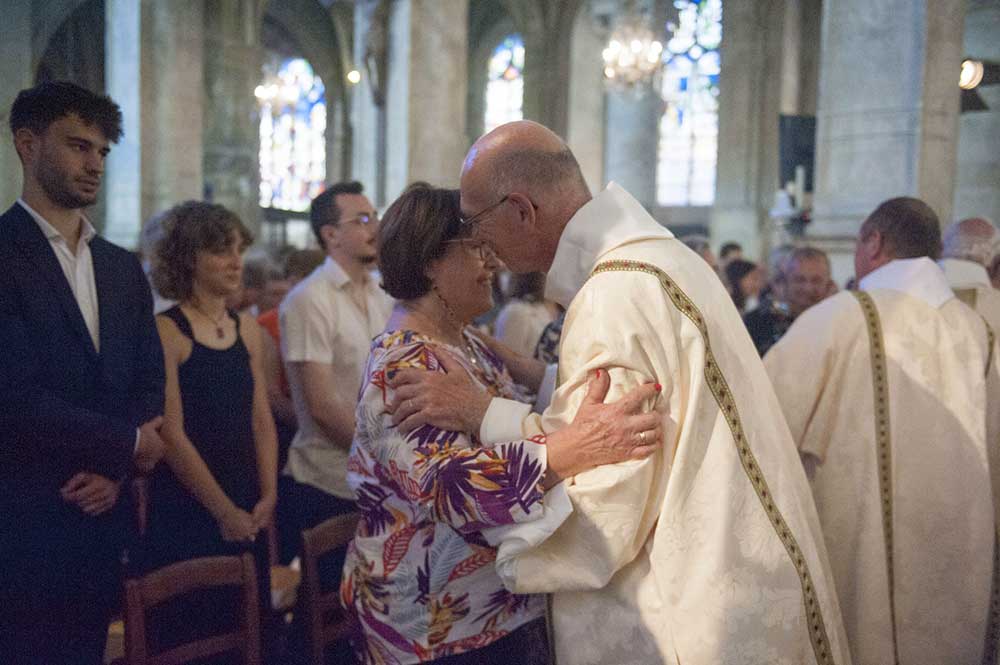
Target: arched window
[
  {"x": 689, "y": 127},
  {"x": 292, "y": 135},
  {"x": 505, "y": 83}
]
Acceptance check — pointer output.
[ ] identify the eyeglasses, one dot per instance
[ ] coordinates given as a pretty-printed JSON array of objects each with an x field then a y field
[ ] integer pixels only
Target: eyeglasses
[
  {"x": 486, "y": 253},
  {"x": 478, "y": 217},
  {"x": 364, "y": 219}
]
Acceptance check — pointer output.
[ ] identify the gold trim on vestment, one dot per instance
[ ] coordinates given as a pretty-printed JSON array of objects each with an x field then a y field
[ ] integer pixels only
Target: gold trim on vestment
[
  {"x": 883, "y": 444},
  {"x": 727, "y": 405}
]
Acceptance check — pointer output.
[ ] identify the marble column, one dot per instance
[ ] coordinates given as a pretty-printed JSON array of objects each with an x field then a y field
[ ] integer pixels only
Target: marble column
[
  {"x": 15, "y": 72},
  {"x": 426, "y": 93},
  {"x": 887, "y": 119},
  {"x": 233, "y": 56}
]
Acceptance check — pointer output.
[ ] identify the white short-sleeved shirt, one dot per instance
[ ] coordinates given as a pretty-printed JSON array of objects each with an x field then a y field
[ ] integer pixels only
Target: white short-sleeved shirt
[{"x": 321, "y": 322}]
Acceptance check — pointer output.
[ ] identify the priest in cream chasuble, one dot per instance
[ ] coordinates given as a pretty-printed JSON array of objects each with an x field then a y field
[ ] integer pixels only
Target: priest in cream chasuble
[
  {"x": 710, "y": 550},
  {"x": 890, "y": 394},
  {"x": 970, "y": 246}
]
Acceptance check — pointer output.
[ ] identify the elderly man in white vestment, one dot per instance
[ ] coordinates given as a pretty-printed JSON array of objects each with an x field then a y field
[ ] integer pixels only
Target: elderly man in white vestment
[
  {"x": 891, "y": 395},
  {"x": 970, "y": 246},
  {"x": 710, "y": 550}
]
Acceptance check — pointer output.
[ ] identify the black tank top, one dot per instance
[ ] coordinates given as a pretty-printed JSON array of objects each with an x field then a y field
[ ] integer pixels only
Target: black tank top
[{"x": 216, "y": 389}]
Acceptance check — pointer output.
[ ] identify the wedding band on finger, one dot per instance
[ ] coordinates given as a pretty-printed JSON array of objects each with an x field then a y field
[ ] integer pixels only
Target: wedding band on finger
[{"x": 642, "y": 437}]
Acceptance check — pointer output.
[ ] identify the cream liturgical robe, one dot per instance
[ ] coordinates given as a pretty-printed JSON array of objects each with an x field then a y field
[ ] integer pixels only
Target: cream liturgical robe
[
  {"x": 709, "y": 551},
  {"x": 971, "y": 284},
  {"x": 888, "y": 395}
]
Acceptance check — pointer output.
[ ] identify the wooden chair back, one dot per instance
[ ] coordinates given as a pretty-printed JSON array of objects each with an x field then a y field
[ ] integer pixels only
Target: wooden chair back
[
  {"x": 324, "y": 620},
  {"x": 186, "y": 577}
]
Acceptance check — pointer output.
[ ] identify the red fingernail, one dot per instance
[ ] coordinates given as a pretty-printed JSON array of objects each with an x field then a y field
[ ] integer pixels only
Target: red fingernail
[{"x": 658, "y": 387}]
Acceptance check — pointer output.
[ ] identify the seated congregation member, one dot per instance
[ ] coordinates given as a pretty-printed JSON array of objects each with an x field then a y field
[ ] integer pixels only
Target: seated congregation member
[
  {"x": 523, "y": 319},
  {"x": 217, "y": 491},
  {"x": 419, "y": 574}
]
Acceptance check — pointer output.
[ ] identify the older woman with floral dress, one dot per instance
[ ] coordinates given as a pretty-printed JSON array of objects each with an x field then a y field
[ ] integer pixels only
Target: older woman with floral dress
[{"x": 419, "y": 574}]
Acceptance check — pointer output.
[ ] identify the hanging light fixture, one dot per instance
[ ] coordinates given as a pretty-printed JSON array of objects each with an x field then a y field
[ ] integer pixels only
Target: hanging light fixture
[{"x": 634, "y": 54}]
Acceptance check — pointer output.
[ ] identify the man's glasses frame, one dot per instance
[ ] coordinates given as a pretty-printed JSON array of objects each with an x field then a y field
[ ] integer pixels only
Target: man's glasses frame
[{"x": 478, "y": 217}]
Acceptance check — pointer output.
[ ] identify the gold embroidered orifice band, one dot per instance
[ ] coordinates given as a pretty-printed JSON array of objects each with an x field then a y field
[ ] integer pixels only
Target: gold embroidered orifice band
[{"x": 727, "y": 404}]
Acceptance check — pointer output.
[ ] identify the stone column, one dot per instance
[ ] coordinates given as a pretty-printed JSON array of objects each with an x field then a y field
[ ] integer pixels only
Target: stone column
[
  {"x": 426, "y": 93},
  {"x": 759, "y": 79},
  {"x": 153, "y": 71},
  {"x": 15, "y": 72},
  {"x": 887, "y": 116},
  {"x": 546, "y": 28},
  {"x": 631, "y": 141},
  {"x": 233, "y": 56},
  {"x": 365, "y": 115},
  {"x": 585, "y": 132}
]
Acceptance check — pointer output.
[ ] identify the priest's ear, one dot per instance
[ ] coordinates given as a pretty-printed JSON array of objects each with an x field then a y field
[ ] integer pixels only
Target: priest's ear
[{"x": 524, "y": 207}]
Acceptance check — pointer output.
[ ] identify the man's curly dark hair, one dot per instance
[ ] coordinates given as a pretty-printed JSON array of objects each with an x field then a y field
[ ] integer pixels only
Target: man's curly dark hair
[
  {"x": 189, "y": 228},
  {"x": 37, "y": 108}
]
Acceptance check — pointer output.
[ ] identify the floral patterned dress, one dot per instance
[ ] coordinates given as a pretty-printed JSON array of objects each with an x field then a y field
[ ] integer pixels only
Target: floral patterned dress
[{"x": 419, "y": 574}]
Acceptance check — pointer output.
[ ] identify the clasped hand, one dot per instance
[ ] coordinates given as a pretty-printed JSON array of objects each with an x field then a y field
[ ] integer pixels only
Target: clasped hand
[{"x": 91, "y": 492}]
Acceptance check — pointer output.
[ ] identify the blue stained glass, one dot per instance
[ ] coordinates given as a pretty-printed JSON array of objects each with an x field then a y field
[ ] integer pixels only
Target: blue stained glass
[
  {"x": 688, "y": 143},
  {"x": 505, "y": 83},
  {"x": 292, "y": 135}
]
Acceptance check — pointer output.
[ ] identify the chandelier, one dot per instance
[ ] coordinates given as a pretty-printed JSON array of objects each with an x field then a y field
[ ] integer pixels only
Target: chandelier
[{"x": 633, "y": 55}]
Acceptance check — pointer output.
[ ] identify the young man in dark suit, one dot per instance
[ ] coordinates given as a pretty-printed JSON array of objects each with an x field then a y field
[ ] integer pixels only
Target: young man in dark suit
[{"x": 81, "y": 385}]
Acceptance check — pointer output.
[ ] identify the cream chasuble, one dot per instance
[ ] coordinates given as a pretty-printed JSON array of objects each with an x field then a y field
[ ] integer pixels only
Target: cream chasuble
[
  {"x": 888, "y": 393},
  {"x": 971, "y": 284},
  {"x": 709, "y": 551}
]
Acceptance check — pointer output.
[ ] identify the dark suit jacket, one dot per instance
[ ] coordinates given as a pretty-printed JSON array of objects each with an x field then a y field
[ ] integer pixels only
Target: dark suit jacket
[{"x": 66, "y": 408}]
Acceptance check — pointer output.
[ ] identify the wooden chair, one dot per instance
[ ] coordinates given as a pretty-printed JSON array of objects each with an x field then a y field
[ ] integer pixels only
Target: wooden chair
[
  {"x": 324, "y": 621},
  {"x": 182, "y": 578}
]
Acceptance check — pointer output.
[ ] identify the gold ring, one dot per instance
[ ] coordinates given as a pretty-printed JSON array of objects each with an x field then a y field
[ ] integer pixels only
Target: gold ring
[{"x": 642, "y": 437}]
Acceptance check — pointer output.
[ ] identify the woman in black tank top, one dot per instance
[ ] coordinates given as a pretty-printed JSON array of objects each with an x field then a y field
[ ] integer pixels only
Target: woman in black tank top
[{"x": 216, "y": 493}]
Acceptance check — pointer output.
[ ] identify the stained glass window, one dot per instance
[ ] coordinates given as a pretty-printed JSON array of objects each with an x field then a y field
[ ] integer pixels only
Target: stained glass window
[
  {"x": 292, "y": 135},
  {"x": 689, "y": 127},
  {"x": 505, "y": 83}
]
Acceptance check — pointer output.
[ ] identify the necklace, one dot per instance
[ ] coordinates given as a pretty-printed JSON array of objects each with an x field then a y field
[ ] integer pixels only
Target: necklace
[
  {"x": 470, "y": 352},
  {"x": 219, "y": 332}
]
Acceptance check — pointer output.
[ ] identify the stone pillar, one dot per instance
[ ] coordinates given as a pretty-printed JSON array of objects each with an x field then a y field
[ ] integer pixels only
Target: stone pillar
[
  {"x": 233, "y": 56},
  {"x": 365, "y": 115},
  {"x": 15, "y": 72},
  {"x": 585, "y": 133},
  {"x": 426, "y": 93},
  {"x": 546, "y": 28},
  {"x": 631, "y": 141},
  {"x": 759, "y": 78},
  {"x": 977, "y": 190},
  {"x": 153, "y": 71},
  {"x": 887, "y": 116}
]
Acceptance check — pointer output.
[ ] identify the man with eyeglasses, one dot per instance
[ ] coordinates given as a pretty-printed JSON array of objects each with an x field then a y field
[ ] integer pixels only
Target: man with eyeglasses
[
  {"x": 327, "y": 322},
  {"x": 709, "y": 551}
]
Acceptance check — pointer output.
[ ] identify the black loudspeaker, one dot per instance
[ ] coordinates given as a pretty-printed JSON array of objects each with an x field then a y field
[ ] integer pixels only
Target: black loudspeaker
[{"x": 796, "y": 147}]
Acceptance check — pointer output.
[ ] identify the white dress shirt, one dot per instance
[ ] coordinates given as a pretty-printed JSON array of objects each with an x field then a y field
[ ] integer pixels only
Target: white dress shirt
[{"x": 78, "y": 266}]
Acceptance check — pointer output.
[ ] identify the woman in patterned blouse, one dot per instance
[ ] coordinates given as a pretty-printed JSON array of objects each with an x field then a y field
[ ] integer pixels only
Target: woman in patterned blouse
[{"x": 419, "y": 574}]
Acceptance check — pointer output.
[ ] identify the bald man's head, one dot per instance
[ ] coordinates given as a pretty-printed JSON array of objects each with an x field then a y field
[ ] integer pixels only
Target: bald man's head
[
  {"x": 522, "y": 185},
  {"x": 523, "y": 156},
  {"x": 974, "y": 239}
]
